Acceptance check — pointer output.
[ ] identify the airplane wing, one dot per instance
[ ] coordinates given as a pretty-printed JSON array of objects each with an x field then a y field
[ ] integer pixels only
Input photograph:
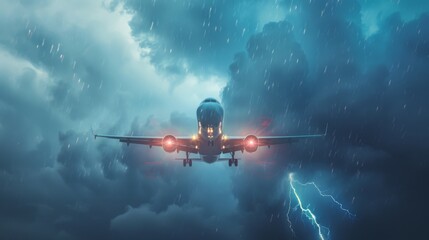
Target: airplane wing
[
  {"x": 185, "y": 144},
  {"x": 251, "y": 143}
]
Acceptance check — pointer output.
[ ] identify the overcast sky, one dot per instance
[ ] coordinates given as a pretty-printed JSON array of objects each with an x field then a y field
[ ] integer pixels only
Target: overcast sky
[{"x": 279, "y": 67}]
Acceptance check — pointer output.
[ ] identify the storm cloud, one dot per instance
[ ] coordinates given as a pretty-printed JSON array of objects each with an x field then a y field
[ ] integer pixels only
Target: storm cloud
[
  {"x": 279, "y": 67},
  {"x": 364, "y": 89}
]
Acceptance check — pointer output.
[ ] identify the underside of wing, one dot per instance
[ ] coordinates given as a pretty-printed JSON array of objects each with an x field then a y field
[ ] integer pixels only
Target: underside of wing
[
  {"x": 251, "y": 142},
  {"x": 152, "y": 141},
  {"x": 274, "y": 140}
]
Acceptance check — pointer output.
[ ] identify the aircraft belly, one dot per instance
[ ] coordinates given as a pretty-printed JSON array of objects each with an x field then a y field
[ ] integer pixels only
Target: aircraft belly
[{"x": 209, "y": 151}]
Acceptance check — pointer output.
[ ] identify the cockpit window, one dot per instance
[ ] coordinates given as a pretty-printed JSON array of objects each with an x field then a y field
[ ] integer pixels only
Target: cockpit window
[
  {"x": 209, "y": 115},
  {"x": 210, "y": 100}
]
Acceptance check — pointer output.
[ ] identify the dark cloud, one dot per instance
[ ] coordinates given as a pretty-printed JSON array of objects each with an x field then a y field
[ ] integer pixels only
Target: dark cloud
[
  {"x": 183, "y": 222},
  {"x": 364, "y": 89},
  {"x": 276, "y": 67},
  {"x": 67, "y": 66},
  {"x": 198, "y": 36}
]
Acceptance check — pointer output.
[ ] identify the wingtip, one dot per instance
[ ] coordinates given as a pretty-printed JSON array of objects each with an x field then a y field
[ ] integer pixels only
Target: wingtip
[
  {"x": 95, "y": 135},
  {"x": 326, "y": 130}
]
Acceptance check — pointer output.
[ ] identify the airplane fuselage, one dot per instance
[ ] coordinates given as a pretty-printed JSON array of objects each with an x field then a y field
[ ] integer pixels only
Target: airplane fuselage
[{"x": 210, "y": 118}]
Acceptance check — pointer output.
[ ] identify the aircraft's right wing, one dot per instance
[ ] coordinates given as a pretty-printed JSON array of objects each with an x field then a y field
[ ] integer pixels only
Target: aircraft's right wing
[{"x": 169, "y": 143}]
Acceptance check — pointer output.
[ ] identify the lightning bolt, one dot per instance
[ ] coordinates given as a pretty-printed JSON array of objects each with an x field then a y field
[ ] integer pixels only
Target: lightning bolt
[{"x": 305, "y": 210}]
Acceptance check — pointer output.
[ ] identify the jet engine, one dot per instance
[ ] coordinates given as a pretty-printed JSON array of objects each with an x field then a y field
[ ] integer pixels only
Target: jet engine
[
  {"x": 250, "y": 143},
  {"x": 169, "y": 143}
]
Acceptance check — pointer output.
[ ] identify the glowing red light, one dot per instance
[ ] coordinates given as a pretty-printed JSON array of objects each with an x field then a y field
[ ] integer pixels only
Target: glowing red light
[
  {"x": 250, "y": 143},
  {"x": 169, "y": 143}
]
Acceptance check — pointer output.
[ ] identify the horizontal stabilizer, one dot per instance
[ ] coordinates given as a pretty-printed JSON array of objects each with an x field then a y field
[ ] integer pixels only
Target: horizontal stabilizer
[{"x": 193, "y": 159}]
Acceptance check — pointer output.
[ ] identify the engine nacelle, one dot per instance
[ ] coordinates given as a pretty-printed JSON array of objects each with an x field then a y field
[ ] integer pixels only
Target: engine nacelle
[
  {"x": 169, "y": 143},
  {"x": 250, "y": 143}
]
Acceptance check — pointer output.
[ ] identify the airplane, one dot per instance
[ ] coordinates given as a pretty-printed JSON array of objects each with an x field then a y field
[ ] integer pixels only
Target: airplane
[{"x": 210, "y": 142}]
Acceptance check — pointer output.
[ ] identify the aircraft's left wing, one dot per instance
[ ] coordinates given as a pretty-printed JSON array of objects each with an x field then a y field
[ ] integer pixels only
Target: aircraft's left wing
[
  {"x": 251, "y": 143},
  {"x": 169, "y": 143}
]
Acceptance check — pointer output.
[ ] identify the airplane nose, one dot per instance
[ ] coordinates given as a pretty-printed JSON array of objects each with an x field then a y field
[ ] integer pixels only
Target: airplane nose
[{"x": 210, "y": 115}]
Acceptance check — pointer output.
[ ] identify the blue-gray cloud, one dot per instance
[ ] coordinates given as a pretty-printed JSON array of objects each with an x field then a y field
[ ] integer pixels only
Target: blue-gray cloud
[
  {"x": 366, "y": 89},
  {"x": 198, "y": 36},
  {"x": 67, "y": 66}
]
